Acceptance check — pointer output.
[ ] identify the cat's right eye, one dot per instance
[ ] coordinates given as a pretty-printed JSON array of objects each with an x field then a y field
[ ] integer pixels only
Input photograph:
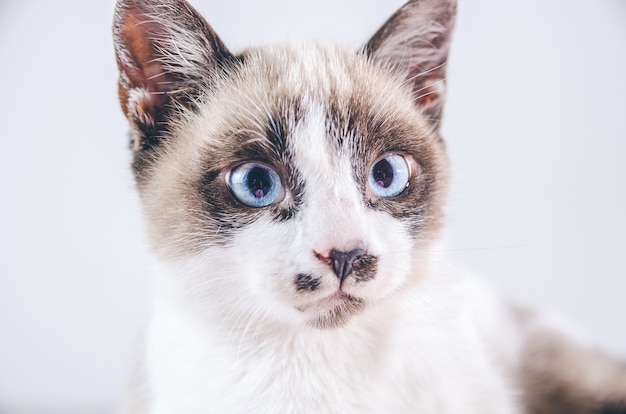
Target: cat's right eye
[{"x": 255, "y": 185}]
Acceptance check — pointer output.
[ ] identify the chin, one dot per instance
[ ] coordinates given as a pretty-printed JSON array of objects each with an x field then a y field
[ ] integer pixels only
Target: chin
[{"x": 336, "y": 312}]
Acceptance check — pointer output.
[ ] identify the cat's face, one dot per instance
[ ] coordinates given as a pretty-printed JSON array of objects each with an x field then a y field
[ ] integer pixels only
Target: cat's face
[{"x": 300, "y": 182}]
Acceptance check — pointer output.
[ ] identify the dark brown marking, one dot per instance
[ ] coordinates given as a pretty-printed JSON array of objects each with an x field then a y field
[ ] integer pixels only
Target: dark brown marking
[
  {"x": 420, "y": 204},
  {"x": 237, "y": 149},
  {"x": 306, "y": 282},
  {"x": 364, "y": 268}
]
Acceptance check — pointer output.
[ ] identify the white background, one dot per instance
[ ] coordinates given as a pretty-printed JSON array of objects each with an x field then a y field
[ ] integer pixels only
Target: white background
[{"x": 535, "y": 125}]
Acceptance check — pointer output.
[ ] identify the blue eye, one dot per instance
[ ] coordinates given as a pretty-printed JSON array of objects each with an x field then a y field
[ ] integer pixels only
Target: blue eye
[
  {"x": 389, "y": 176},
  {"x": 255, "y": 185}
]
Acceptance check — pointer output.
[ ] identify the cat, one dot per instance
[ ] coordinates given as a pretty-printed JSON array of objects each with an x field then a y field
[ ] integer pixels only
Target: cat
[{"x": 293, "y": 197}]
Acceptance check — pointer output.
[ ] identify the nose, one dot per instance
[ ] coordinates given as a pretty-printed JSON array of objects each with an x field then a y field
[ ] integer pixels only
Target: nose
[{"x": 342, "y": 261}]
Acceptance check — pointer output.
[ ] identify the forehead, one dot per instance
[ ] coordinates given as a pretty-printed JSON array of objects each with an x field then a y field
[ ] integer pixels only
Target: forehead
[{"x": 349, "y": 101}]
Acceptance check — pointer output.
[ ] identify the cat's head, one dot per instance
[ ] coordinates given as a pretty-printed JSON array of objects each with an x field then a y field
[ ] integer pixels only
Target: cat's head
[{"x": 299, "y": 182}]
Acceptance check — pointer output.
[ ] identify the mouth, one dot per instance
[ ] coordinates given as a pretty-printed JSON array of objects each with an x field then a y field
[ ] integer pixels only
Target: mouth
[{"x": 333, "y": 311}]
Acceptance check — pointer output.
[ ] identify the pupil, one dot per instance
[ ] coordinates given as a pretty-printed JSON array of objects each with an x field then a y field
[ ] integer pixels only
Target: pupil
[
  {"x": 383, "y": 173},
  {"x": 259, "y": 182}
]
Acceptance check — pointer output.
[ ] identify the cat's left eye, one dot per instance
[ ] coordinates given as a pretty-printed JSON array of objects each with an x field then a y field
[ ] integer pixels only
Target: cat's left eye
[
  {"x": 389, "y": 176},
  {"x": 255, "y": 185}
]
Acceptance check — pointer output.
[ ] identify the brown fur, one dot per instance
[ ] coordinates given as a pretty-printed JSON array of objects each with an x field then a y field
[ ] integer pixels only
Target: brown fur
[{"x": 561, "y": 376}]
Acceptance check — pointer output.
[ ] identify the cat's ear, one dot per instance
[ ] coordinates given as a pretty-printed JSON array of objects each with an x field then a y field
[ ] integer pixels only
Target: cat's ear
[
  {"x": 166, "y": 53},
  {"x": 415, "y": 42}
]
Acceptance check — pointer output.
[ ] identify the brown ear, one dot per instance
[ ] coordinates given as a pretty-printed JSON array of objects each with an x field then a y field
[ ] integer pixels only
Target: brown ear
[
  {"x": 415, "y": 42},
  {"x": 166, "y": 53}
]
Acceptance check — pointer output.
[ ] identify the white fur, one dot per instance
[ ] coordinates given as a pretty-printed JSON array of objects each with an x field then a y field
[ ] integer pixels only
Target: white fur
[
  {"x": 227, "y": 335},
  {"x": 420, "y": 353}
]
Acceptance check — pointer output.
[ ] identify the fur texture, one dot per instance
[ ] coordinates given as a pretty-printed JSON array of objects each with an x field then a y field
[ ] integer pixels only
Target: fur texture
[{"x": 329, "y": 298}]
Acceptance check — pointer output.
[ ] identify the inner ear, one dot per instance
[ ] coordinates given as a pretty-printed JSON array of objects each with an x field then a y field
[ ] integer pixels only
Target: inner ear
[
  {"x": 144, "y": 83},
  {"x": 166, "y": 55}
]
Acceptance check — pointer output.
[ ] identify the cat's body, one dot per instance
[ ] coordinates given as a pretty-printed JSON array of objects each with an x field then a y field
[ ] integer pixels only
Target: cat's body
[{"x": 294, "y": 196}]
